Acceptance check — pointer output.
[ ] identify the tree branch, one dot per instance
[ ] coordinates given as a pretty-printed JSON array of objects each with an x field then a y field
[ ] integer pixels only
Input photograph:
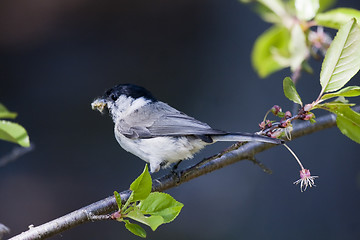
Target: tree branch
[{"x": 232, "y": 155}]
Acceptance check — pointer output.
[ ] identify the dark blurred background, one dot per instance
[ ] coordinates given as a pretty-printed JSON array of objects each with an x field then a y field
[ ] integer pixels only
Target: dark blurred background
[{"x": 57, "y": 56}]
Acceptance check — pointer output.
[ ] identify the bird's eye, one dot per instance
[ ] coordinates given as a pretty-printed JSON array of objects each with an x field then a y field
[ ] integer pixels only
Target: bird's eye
[{"x": 113, "y": 97}]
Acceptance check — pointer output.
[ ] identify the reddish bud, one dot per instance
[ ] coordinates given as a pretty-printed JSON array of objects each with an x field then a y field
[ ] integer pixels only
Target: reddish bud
[
  {"x": 116, "y": 215},
  {"x": 308, "y": 116},
  {"x": 276, "y": 109},
  {"x": 288, "y": 114},
  {"x": 268, "y": 124},
  {"x": 307, "y": 107},
  {"x": 284, "y": 124}
]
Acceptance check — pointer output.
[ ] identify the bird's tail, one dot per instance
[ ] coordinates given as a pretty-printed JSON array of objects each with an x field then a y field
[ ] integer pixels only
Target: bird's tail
[{"x": 246, "y": 137}]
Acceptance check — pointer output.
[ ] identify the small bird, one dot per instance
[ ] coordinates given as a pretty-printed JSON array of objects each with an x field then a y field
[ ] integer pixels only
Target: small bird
[{"x": 158, "y": 133}]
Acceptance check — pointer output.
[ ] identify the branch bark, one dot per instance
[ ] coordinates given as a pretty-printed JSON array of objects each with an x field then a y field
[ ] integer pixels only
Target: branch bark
[{"x": 230, "y": 156}]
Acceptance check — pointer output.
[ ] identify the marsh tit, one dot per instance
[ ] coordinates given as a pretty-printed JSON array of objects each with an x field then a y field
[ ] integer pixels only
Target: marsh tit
[{"x": 158, "y": 133}]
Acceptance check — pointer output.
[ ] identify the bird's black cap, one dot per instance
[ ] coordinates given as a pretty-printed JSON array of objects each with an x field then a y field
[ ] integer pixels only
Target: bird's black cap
[{"x": 129, "y": 90}]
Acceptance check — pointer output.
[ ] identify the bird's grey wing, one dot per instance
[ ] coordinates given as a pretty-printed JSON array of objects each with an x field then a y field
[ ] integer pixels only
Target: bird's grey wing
[
  {"x": 179, "y": 125},
  {"x": 163, "y": 121}
]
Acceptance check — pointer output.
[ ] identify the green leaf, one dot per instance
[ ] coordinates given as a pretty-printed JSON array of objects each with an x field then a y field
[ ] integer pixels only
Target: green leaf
[
  {"x": 276, "y": 6},
  {"x": 333, "y": 105},
  {"x": 290, "y": 91},
  {"x": 326, "y": 4},
  {"x": 152, "y": 221},
  {"x": 342, "y": 60},
  {"x": 347, "y": 120},
  {"x": 307, "y": 68},
  {"x": 277, "y": 12},
  {"x": 337, "y": 17},
  {"x": 273, "y": 42},
  {"x": 14, "y": 132},
  {"x": 118, "y": 199},
  {"x": 348, "y": 123},
  {"x": 306, "y": 9},
  {"x": 141, "y": 187},
  {"x": 135, "y": 229},
  {"x": 161, "y": 204},
  {"x": 351, "y": 91},
  {"x": 266, "y": 14},
  {"x": 5, "y": 113},
  {"x": 298, "y": 49},
  {"x": 343, "y": 100},
  {"x": 281, "y": 114}
]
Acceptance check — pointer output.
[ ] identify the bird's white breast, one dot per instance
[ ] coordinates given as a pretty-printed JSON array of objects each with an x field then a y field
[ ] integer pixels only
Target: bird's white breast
[{"x": 160, "y": 150}]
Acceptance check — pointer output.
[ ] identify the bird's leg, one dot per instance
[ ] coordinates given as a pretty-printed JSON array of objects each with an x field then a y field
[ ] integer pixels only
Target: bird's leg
[
  {"x": 174, "y": 168},
  {"x": 176, "y": 173}
]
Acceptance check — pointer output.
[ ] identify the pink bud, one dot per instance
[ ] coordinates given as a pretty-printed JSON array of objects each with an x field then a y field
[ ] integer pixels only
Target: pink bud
[
  {"x": 116, "y": 215},
  {"x": 268, "y": 123},
  {"x": 276, "y": 109},
  {"x": 284, "y": 124},
  {"x": 309, "y": 116},
  {"x": 307, "y": 107},
  {"x": 288, "y": 114}
]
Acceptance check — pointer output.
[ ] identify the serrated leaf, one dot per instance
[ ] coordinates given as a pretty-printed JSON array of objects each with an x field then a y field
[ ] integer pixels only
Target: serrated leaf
[
  {"x": 14, "y": 132},
  {"x": 306, "y": 9},
  {"x": 5, "y": 113},
  {"x": 118, "y": 199},
  {"x": 161, "y": 204},
  {"x": 290, "y": 91},
  {"x": 152, "y": 221},
  {"x": 298, "y": 49},
  {"x": 274, "y": 41},
  {"x": 135, "y": 229},
  {"x": 351, "y": 91},
  {"x": 337, "y": 17},
  {"x": 342, "y": 60},
  {"x": 347, "y": 120},
  {"x": 142, "y": 185}
]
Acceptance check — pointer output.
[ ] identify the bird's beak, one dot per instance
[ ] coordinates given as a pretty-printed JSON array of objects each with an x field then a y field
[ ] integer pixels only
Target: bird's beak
[{"x": 99, "y": 104}]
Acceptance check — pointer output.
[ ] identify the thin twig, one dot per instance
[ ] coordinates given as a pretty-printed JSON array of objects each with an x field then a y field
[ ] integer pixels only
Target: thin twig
[
  {"x": 108, "y": 205},
  {"x": 3, "y": 230},
  {"x": 15, "y": 154},
  {"x": 261, "y": 165}
]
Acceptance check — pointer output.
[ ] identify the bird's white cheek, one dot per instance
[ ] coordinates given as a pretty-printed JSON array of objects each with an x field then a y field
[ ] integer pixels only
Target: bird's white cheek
[{"x": 126, "y": 105}]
